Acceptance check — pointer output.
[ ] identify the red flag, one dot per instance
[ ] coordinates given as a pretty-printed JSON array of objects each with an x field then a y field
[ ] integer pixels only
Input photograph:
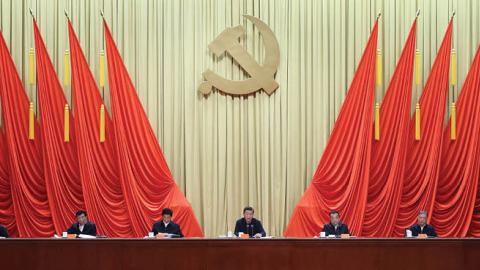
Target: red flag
[
  {"x": 341, "y": 179},
  {"x": 458, "y": 180},
  {"x": 60, "y": 158},
  {"x": 30, "y": 200},
  {"x": 99, "y": 171},
  {"x": 423, "y": 158},
  {"x": 389, "y": 153},
  {"x": 148, "y": 183},
  {"x": 7, "y": 216}
]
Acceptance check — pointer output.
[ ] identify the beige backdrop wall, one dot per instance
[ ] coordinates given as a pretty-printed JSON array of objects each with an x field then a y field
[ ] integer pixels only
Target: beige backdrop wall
[{"x": 259, "y": 150}]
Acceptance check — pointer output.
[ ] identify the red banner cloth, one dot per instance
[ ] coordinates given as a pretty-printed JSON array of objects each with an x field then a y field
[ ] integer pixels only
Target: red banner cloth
[
  {"x": 62, "y": 175},
  {"x": 460, "y": 170},
  {"x": 147, "y": 181},
  {"x": 7, "y": 215},
  {"x": 30, "y": 202},
  {"x": 389, "y": 153},
  {"x": 102, "y": 191},
  {"x": 341, "y": 179},
  {"x": 423, "y": 156}
]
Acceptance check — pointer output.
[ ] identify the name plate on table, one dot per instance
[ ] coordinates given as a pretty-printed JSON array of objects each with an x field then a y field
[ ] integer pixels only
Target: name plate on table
[
  {"x": 422, "y": 236},
  {"x": 345, "y": 235}
]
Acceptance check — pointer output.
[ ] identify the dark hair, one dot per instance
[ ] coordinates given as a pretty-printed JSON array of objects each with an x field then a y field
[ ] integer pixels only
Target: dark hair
[
  {"x": 167, "y": 211},
  {"x": 80, "y": 212},
  {"x": 248, "y": 208},
  {"x": 333, "y": 212}
]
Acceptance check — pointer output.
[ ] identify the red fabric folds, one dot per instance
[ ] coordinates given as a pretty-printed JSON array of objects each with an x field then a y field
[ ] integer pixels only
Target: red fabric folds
[
  {"x": 147, "y": 181},
  {"x": 389, "y": 153},
  {"x": 7, "y": 216},
  {"x": 60, "y": 158},
  {"x": 98, "y": 165},
  {"x": 32, "y": 212},
  {"x": 458, "y": 180},
  {"x": 341, "y": 179},
  {"x": 423, "y": 156}
]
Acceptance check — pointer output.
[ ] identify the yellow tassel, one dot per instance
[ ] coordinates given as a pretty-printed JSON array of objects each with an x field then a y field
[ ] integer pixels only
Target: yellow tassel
[
  {"x": 418, "y": 74},
  {"x": 379, "y": 67},
  {"x": 66, "y": 124},
  {"x": 102, "y": 123},
  {"x": 377, "y": 122},
  {"x": 453, "y": 64},
  {"x": 31, "y": 66},
  {"x": 417, "y": 122},
  {"x": 66, "y": 68},
  {"x": 31, "y": 122},
  {"x": 102, "y": 69},
  {"x": 453, "y": 122}
]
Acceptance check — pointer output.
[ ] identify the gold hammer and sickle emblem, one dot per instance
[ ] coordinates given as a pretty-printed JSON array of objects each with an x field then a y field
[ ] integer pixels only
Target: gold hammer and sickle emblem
[{"x": 261, "y": 77}]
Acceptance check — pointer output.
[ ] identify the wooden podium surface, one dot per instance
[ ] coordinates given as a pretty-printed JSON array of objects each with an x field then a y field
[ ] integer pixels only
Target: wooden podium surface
[{"x": 279, "y": 253}]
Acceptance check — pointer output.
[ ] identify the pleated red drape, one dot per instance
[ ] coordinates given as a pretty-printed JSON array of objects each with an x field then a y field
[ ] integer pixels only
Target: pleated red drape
[
  {"x": 458, "y": 179},
  {"x": 147, "y": 181},
  {"x": 423, "y": 156},
  {"x": 7, "y": 216},
  {"x": 388, "y": 154},
  {"x": 32, "y": 212},
  {"x": 98, "y": 165},
  {"x": 341, "y": 179},
  {"x": 60, "y": 158}
]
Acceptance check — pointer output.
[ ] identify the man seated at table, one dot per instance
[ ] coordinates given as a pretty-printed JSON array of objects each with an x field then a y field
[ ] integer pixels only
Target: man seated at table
[
  {"x": 249, "y": 225},
  {"x": 422, "y": 227},
  {"x": 83, "y": 226},
  {"x": 3, "y": 232},
  {"x": 335, "y": 227},
  {"x": 166, "y": 225}
]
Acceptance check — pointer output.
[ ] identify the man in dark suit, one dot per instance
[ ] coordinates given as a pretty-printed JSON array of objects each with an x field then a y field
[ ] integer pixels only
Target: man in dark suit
[
  {"x": 166, "y": 225},
  {"x": 83, "y": 226},
  {"x": 3, "y": 232},
  {"x": 249, "y": 225},
  {"x": 422, "y": 227},
  {"x": 335, "y": 227}
]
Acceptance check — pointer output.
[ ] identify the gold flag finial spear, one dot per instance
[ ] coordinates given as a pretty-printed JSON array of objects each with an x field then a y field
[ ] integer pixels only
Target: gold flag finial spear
[
  {"x": 66, "y": 14},
  {"x": 101, "y": 13},
  {"x": 31, "y": 12},
  {"x": 453, "y": 14},
  {"x": 418, "y": 13},
  {"x": 379, "y": 14}
]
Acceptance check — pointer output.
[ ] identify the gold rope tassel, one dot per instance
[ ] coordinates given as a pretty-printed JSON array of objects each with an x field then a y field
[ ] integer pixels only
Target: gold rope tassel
[
  {"x": 417, "y": 122},
  {"x": 377, "y": 121},
  {"x": 453, "y": 64},
  {"x": 31, "y": 66},
  {"x": 101, "y": 69},
  {"x": 66, "y": 124},
  {"x": 379, "y": 68},
  {"x": 453, "y": 122},
  {"x": 102, "y": 123},
  {"x": 66, "y": 68},
  {"x": 31, "y": 122},
  {"x": 418, "y": 74}
]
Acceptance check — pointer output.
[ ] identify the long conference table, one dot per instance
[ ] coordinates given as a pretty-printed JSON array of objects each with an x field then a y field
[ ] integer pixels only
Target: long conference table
[{"x": 219, "y": 253}]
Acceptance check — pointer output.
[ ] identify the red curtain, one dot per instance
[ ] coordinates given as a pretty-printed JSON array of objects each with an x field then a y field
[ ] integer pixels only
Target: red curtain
[
  {"x": 147, "y": 181},
  {"x": 98, "y": 165},
  {"x": 341, "y": 179},
  {"x": 458, "y": 179},
  {"x": 62, "y": 175},
  {"x": 423, "y": 156},
  {"x": 30, "y": 202},
  {"x": 7, "y": 216},
  {"x": 389, "y": 153}
]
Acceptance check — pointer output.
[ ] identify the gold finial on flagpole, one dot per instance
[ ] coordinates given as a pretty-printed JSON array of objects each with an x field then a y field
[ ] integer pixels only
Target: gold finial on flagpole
[
  {"x": 101, "y": 13},
  {"x": 453, "y": 14},
  {"x": 66, "y": 14},
  {"x": 379, "y": 14},
  {"x": 31, "y": 12},
  {"x": 418, "y": 13}
]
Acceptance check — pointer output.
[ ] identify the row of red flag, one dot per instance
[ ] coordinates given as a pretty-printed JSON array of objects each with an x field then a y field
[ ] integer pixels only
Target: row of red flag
[
  {"x": 379, "y": 186},
  {"x": 123, "y": 181}
]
